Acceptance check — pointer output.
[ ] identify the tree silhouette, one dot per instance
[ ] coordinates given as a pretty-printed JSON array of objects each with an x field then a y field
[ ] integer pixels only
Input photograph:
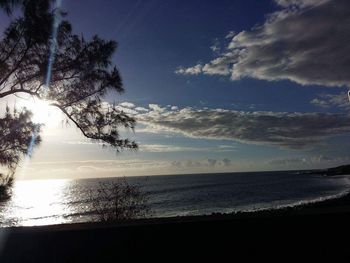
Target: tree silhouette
[
  {"x": 9, "y": 5},
  {"x": 53, "y": 64},
  {"x": 16, "y": 139}
]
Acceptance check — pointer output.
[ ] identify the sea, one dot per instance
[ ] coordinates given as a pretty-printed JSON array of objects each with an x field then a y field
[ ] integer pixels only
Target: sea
[{"x": 49, "y": 202}]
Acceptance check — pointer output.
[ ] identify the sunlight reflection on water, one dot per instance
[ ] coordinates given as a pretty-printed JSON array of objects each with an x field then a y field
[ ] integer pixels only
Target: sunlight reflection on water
[{"x": 37, "y": 202}]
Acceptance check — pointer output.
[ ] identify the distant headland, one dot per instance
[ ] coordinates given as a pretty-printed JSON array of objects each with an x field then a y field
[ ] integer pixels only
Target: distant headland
[{"x": 339, "y": 170}]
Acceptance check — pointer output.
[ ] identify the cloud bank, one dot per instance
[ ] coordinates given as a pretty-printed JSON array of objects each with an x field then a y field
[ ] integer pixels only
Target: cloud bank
[
  {"x": 305, "y": 41},
  {"x": 282, "y": 129}
]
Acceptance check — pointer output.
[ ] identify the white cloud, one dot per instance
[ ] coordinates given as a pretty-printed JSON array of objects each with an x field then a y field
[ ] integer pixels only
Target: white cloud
[
  {"x": 159, "y": 148},
  {"x": 299, "y": 3},
  {"x": 320, "y": 103},
  {"x": 127, "y": 105},
  {"x": 196, "y": 70},
  {"x": 141, "y": 109},
  {"x": 305, "y": 42},
  {"x": 216, "y": 46},
  {"x": 203, "y": 163},
  {"x": 332, "y": 100},
  {"x": 126, "y": 110},
  {"x": 165, "y": 148},
  {"x": 230, "y": 34},
  {"x": 156, "y": 108}
]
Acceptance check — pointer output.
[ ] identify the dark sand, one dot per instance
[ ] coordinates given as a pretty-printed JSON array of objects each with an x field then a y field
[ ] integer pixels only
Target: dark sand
[{"x": 309, "y": 232}]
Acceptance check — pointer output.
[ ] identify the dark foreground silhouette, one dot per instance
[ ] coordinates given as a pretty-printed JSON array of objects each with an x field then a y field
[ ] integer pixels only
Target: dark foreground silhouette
[
  {"x": 333, "y": 171},
  {"x": 339, "y": 170},
  {"x": 315, "y": 231}
]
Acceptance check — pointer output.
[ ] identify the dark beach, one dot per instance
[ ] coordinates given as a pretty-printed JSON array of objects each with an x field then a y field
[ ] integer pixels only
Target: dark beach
[{"x": 318, "y": 230}]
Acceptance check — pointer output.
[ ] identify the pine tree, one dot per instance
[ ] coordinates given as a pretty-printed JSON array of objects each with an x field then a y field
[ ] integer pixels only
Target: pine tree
[{"x": 41, "y": 57}]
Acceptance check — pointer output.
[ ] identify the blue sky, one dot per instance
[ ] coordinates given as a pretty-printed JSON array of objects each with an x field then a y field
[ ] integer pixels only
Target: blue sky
[
  {"x": 224, "y": 86},
  {"x": 155, "y": 37}
]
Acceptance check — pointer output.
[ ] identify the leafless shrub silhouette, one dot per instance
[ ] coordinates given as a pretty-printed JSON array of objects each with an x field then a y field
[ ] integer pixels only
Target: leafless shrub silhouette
[{"x": 119, "y": 200}]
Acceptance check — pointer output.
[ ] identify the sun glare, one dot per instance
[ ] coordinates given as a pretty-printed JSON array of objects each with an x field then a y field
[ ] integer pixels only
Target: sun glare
[
  {"x": 40, "y": 200},
  {"x": 43, "y": 112}
]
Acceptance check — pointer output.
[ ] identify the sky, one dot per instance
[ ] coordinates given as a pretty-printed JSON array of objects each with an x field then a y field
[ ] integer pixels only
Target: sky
[{"x": 215, "y": 86}]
